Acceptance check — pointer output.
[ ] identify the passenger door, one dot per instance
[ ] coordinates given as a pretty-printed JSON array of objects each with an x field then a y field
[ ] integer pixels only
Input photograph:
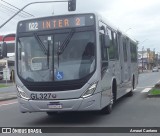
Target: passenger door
[
  {"x": 105, "y": 72},
  {"x": 126, "y": 60}
]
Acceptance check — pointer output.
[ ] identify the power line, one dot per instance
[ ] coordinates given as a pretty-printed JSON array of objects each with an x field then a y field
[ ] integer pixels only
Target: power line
[
  {"x": 11, "y": 10},
  {"x": 5, "y": 12},
  {"x": 17, "y": 8}
]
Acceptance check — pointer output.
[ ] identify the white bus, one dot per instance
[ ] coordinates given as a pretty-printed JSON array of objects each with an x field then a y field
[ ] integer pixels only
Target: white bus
[{"x": 75, "y": 62}]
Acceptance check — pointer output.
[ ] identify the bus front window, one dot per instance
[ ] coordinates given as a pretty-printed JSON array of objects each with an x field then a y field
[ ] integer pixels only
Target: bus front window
[{"x": 39, "y": 60}]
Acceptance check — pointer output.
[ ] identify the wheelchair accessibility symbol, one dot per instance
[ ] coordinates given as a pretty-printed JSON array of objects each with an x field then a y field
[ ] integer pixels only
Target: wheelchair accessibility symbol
[{"x": 59, "y": 75}]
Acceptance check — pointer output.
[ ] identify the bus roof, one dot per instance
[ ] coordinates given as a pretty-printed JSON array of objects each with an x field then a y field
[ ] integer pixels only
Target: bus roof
[{"x": 98, "y": 16}]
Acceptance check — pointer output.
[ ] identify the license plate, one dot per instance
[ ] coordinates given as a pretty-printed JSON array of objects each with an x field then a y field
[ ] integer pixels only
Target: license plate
[
  {"x": 42, "y": 96},
  {"x": 54, "y": 106}
]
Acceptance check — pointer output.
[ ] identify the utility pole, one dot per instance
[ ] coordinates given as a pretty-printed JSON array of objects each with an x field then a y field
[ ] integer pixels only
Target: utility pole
[
  {"x": 143, "y": 53},
  {"x": 142, "y": 57},
  {"x": 149, "y": 58},
  {"x": 154, "y": 57}
]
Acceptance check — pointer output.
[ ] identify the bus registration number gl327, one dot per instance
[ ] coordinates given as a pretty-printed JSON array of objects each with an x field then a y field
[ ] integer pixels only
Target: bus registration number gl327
[{"x": 42, "y": 96}]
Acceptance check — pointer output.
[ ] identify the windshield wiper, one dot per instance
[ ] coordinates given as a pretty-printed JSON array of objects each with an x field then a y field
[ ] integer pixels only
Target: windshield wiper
[
  {"x": 63, "y": 46},
  {"x": 46, "y": 51},
  {"x": 41, "y": 43},
  {"x": 48, "y": 54}
]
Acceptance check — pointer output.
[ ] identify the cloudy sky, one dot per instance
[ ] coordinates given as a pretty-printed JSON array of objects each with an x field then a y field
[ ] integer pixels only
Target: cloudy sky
[{"x": 138, "y": 18}]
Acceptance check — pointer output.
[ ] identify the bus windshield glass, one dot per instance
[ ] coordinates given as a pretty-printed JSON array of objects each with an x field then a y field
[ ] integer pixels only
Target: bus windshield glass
[{"x": 56, "y": 57}]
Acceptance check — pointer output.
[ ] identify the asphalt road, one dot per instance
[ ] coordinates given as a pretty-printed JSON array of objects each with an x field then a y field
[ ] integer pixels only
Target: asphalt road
[{"x": 135, "y": 111}]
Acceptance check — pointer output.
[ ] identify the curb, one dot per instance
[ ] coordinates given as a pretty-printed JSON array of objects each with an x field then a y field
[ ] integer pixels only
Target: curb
[
  {"x": 9, "y": 98},
  {"x": 8, "y": 87},
  {"x": 153, "y": 96}
]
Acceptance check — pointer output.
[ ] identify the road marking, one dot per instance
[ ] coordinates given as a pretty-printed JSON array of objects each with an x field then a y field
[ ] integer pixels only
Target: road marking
[
  {"x": 8, "y": 104},
  {"x": 5, "y": 103},
  {"x": 146, "y": 90},
  {"x": 158, "y": 82},
  {"x": 144, "y": 87}
]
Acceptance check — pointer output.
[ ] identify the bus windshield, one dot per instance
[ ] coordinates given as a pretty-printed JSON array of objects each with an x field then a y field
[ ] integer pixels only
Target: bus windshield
[{"x": 39, "y": 59}]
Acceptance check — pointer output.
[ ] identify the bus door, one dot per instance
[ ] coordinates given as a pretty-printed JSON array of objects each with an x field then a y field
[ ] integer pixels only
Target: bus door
[
  {"x": 124, "y": 65},
  {"x": 105, "y": 70},
  {"x": 129, "y": 59},
  {"x": 120, "y": 42},
  {"x": 126, "y": 61}
]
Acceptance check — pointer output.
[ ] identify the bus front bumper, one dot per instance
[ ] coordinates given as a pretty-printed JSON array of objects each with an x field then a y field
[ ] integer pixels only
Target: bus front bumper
[{"x": 91, "y": 103}]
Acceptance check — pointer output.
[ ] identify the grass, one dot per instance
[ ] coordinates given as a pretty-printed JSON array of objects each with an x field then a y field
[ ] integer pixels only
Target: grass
[
  {"x": 1, "y": 86},
  {"x": 155, "y": 91}
]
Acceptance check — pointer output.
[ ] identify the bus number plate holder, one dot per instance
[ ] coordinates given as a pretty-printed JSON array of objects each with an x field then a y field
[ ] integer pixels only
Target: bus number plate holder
[{"x": 55, "y": 106}]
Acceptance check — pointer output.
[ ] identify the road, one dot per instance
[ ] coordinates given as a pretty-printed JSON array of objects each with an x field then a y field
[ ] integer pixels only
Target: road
[{"x": 135, "y": 111}]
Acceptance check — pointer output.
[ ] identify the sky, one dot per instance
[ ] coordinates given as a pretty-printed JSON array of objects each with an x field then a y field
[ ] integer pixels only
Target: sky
[{"x": 139, "y": 19}]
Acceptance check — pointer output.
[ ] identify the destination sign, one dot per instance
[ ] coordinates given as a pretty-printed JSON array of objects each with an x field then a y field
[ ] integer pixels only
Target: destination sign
[{"x": 55, "y": 23}]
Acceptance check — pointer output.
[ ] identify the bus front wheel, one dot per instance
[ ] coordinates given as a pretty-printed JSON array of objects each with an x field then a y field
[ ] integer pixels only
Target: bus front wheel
[{"x": 108, "y": 108}]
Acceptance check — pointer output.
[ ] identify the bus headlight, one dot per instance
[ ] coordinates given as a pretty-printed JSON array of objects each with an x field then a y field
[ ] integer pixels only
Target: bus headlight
[
  {"x": 22, "y": 94},
  {"x": 90, "y": 90}
]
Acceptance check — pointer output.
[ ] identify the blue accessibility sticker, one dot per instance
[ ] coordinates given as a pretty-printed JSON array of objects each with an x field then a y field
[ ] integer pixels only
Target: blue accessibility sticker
[{"x": 59, "y": 75}]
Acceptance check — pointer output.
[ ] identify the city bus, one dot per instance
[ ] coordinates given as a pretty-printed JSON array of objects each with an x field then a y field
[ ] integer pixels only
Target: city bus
[{"x": 74, "y": 62}]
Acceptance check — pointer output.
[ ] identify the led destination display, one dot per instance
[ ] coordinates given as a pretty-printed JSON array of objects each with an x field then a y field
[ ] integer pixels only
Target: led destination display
[{"x": 55, "y": 23}]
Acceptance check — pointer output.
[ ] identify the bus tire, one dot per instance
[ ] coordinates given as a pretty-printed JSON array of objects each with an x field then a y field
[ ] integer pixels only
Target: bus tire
[
  {"x": 130, "y": 93},
  {"x": 107, "y": 109},
  {"x": 114, "y": 91}
]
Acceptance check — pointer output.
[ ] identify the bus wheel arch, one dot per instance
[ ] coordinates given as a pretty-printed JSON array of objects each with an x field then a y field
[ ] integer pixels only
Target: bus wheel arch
[
  {"x": 108, "y": 108},
  {"x": 132, "y": 86}
]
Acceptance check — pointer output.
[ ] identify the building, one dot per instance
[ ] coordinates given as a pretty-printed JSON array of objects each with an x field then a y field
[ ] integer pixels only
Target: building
[
  {"x": 147, "y": 59},
  {"x": 10, "y": 45},
  {"x": 8, "y": 62}
]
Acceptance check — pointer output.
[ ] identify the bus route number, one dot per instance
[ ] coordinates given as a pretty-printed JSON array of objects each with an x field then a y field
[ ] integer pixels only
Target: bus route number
[
  {"x": 33, "y": 26},
  {"x": 78, "y": 21}
]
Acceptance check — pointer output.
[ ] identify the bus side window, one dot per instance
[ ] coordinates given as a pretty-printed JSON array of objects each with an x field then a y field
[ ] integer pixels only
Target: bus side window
[
  {"x": 104, "y": 53},
  {"x": 133, "y": 50},
  {"x": 125, "y": 49}
]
